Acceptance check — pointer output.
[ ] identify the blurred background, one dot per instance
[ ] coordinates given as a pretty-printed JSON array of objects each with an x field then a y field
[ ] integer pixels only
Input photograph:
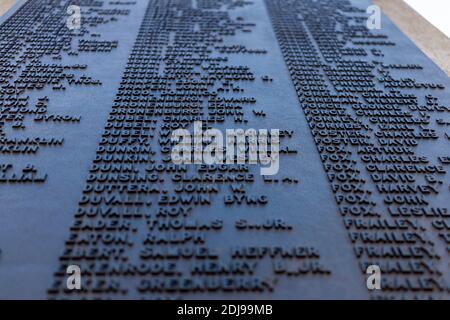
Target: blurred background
[
  {"x": 435, "y": 11},
  {"x": 425, "y": 22}
]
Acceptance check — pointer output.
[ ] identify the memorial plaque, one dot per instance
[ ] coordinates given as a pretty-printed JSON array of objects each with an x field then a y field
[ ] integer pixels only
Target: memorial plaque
[{"x": 346, "y": 197}]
